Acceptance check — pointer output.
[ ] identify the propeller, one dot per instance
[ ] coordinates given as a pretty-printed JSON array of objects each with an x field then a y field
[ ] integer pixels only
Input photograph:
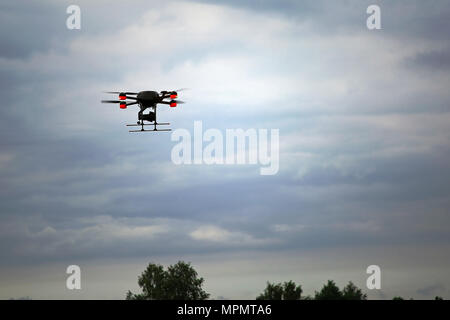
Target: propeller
[
  {"x": 174, "y": 91},
  {"x": 118, "y": 92},
  {"x": 121, "y": 102},
  {"x": 111, "y": 101}
]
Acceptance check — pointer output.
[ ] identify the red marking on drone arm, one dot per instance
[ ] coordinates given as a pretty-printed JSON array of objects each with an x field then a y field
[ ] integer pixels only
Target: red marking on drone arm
[{"x": 173, "y": 104}]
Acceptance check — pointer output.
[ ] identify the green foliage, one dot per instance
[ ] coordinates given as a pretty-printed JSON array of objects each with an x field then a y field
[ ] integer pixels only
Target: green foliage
[
  {"x": 330, "y": 291},
  {"x": 397, "y": 298},
  {"x": 271, "y": 292},
  {"x": 287, "y": 291},
  {"x": 132, "y": 296},
  {"x": 438, "y": 298},
  {"x": 352, "y": 292},
  {"x": 179, "y": 282},
  {"x": 292, "y": 291}
]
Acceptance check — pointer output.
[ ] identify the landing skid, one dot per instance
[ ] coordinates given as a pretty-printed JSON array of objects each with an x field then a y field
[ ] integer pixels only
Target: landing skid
[
  {"x": 149, "y": 124},
  {"x": 143, "y": 130}
]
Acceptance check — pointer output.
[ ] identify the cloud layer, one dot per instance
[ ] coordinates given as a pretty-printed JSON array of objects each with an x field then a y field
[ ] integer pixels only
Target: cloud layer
[{"x": 363, "y": 118}]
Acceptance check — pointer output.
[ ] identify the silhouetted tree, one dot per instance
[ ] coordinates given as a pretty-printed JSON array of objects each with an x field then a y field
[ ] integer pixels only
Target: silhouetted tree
[
  {"x": 292, "y": 291},
  {"x": 438, "y": 298},
  {"x": 352, "y": 292},
  {"x": 330, "y": 291},
  {"x": 179, "y": 282},
  {"x": 397, "y": 298},
  {"x": 271, "y": 292},
  {"x": 287, "y": 291}
]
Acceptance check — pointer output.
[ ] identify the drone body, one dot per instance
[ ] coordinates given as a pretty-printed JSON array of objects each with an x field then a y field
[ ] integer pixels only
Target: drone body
[{"x": 146, "y": 100}]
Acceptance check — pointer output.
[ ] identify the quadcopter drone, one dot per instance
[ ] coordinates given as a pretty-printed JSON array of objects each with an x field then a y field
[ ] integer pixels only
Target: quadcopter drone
[{"x": 146, "y": 100}]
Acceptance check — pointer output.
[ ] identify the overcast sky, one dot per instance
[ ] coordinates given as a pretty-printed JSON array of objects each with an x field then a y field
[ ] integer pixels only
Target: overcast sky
[{"x": 364, "y": 120}]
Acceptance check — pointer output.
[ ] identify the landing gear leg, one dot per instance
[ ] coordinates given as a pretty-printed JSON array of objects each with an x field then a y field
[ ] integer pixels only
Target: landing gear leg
[{"x": 140, "y": 116}]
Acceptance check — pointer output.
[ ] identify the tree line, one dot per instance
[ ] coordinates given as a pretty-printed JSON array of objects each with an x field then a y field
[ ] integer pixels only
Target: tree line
[{"x": 181, "y": 282}]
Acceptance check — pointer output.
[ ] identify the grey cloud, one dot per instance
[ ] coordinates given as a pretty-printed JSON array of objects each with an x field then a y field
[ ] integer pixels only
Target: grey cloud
[
  {"x": 435, "y": 60},
  {"x": 364, "y": 136},
  {"x": 400, "y": 18},
  {"x": 435, "y": 289}
]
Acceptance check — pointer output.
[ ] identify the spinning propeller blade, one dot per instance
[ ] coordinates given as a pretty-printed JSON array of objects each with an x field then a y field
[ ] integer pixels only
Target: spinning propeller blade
[
  {"x": 111, "y": 101},
  {"x": 121, "y": 102},
  {"x": 118, "y": 92}
]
